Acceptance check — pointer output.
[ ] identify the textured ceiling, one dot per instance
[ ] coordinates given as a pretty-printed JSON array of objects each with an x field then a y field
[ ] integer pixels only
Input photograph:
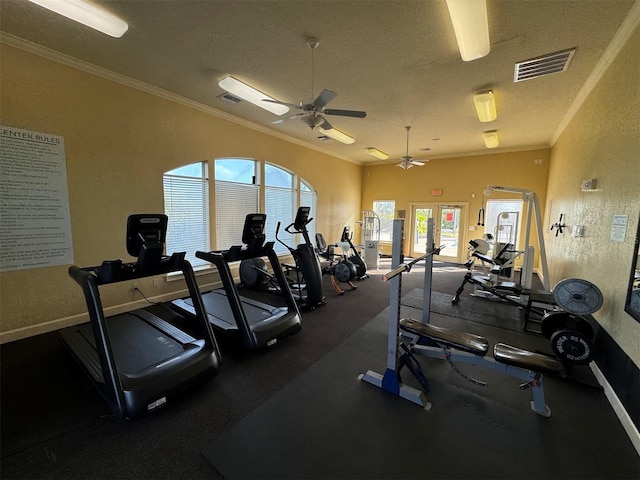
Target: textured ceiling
[{"x": 397, "y": 60}]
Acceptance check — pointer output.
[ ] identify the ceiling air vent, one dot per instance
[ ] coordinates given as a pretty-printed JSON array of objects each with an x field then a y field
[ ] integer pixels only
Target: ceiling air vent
[
  {"x": 544, "y": 65},
  {"x": 227, "y": 97}
]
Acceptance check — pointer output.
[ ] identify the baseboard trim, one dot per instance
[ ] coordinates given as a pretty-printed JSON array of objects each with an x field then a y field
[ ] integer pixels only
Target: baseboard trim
[
  {"x": 58, "y": 323},
  {"x": 618, "y": 408}
]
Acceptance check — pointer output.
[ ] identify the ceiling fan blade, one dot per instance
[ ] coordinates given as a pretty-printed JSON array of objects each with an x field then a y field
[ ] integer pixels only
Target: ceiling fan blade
[
  {"x": 346, "y": 113},
  {"x": 325, "y": 97},
  {"x": 326, "y": 125},
  {"x": 418, "y": 163},
  {"x": 285, "y": 119}
]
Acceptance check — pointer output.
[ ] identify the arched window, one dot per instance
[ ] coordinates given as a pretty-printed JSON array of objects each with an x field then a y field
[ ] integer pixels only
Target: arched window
[
  {"x": 186, "y": 203},
  {"x": 237, "y": 194}
]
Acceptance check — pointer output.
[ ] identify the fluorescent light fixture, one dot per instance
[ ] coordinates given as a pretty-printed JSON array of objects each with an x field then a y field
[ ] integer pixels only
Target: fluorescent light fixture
[
  {"x": 337, "y": 135},
  {"x": 86, "y": 14},
  {"x": 491, "y": 139},
  {"x": 470, "y": 24},
  {"x": 377, "y": 153},
  {"x": 250, "y": 94},
  {"x": 485, "y": 106}
]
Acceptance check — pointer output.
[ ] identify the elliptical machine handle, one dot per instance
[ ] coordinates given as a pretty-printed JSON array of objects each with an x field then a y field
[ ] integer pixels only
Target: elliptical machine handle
[{"x": 291, "y": 250}]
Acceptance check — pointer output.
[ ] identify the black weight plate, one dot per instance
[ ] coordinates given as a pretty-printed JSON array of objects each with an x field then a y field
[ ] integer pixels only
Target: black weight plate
[
  {"x": 571, "y": 346},
  {"x": 577, "y": 296},
  {"x": 584, "y": 327},
  {"x": 554, "y": 321}
]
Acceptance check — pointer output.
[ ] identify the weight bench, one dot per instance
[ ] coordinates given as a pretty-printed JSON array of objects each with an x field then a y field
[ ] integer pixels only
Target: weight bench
[{"x": 454, "y": 346}]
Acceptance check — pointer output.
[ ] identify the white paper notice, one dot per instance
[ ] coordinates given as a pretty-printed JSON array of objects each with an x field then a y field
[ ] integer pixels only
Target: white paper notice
[
  {"x": 619, "y": 228},
  {"x": 35, "y": 224}
]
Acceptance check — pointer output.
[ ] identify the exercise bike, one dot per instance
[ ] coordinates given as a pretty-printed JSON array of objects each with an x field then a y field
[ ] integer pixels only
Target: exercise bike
[
  {"x": 341, "y": 271},
  {"x": 353, "y": 256}
]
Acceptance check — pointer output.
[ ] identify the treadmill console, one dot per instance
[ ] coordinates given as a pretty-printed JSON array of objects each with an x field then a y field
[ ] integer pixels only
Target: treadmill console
[
  {"x": 146, "y": 235},
  {"x": 145, "y": 231},
  {"x": 253, "y": 239}
]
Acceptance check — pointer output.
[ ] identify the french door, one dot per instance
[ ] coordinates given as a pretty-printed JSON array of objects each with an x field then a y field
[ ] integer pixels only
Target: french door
[{"x": 447, "y": 230}]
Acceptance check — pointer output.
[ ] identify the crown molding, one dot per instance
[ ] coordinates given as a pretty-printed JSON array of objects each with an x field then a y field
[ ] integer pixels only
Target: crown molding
[{"x": 86, "y": 67}]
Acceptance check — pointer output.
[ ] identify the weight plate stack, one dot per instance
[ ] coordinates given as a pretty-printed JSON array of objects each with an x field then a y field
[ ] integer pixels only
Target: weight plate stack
[{"x": 570, "y": 334}]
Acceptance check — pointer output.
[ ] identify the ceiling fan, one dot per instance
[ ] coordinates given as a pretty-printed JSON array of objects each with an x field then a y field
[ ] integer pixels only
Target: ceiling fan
[
  {"x": 312, "y": 113},
  {"x": 407, "y": 162}
]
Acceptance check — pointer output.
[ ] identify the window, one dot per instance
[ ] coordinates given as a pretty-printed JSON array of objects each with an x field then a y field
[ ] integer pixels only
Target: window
[
  {"x": 237, "y": 195},
  {"x": 309, "y": 198},
  {"x": 385, "y": 209},
  {"x": 278, "y": 205},
  {"x": 503, "y": 220},
  {"x": 186, "y": 203}
]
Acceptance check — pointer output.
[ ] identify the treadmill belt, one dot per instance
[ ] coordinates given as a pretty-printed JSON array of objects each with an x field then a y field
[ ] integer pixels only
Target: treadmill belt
[
  {"x": 217, "y": 305},
  {"x": 136, "y": 344}
]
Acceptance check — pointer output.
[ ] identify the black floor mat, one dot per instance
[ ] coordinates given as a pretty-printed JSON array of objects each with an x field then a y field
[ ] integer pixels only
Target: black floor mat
[
  {"x": 327, "y": 424},
  {"x": 479, "y": 310}
]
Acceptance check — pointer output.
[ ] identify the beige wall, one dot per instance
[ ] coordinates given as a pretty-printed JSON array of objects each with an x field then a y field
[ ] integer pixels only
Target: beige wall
[
  {"x": 118, "y": 143},
  {"x": 462, "y": 181},
  {"x": 602, "y": 141}
]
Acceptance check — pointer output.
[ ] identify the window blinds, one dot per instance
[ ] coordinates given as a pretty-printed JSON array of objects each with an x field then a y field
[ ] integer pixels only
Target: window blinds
[
  {"x": 234, "y": 201},
  {"x": 278, "y": 204},
  {"x": 186, "y": 203}
]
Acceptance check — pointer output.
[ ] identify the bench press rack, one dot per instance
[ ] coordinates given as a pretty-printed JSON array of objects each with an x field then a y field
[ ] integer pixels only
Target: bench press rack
[{"x": 450, "y": 345}]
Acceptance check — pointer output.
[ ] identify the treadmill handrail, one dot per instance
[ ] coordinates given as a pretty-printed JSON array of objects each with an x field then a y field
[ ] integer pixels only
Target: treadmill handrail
[{"x": 113, "y": 386}]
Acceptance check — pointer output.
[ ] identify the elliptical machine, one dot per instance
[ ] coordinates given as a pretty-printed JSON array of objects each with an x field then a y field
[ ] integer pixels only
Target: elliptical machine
[{"x": 307, "y": 267}]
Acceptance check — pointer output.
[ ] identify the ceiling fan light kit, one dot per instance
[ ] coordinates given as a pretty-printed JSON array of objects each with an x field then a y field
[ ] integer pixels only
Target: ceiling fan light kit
[
  {"x": 471, "y": 27},
  {"x": 491, "y": 139},
  {"x": 313, "y": 120},
  {"x": 485, "y": 103},
  {"x": 251, "y": 95},
  {"x": 86, "y": 14}
]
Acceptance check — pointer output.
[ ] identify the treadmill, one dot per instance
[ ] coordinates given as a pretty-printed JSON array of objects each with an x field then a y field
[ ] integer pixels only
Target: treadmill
[
  {"x": 139, "y": 360},
  {"x": 257, "y": 325}
]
